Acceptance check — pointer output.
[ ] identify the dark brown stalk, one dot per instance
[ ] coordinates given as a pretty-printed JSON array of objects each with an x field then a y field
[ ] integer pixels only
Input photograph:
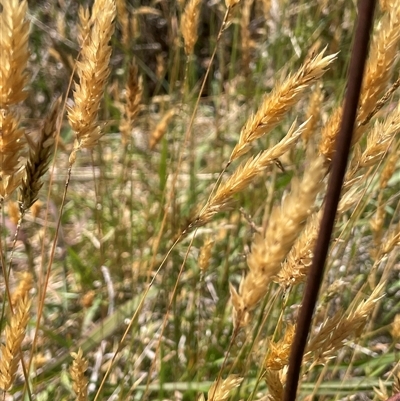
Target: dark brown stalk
[{"x": 343, "y": 143}]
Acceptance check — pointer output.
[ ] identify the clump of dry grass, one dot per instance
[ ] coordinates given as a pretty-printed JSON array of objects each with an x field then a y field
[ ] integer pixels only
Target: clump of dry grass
[
  {"x": 189, "y": 25},
  {"x": 93, "y": 71},
  {"x": 40, "y": 151},
  {"x": 276, "y": 104},
  {"x": 222, "y": 388},
  {"x": 77, "y": 371},
  {"x": 11, "y": 350},
  {"x": 269, "y": 249}
]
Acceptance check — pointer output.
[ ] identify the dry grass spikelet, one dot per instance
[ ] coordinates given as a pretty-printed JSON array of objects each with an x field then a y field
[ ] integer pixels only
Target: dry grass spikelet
[
  {"x": 189, "y": 25},
  {"x": 329, "y": 133},
  {"x": 278, "y": 353},
  {"x": 395, "y": 330},
  {"x": 376, "y": 224},
  {"x": 244, "y": 175},
  {"x": 396, "y": 381},
  {"x": 335, "y": 330},
  {"x": 232, "y": 3},
  {"x": 391, "y": 241},
  {"x": 40, "y": 151},
  {"x": 11, "y": 146},
  {"x": 13, "y": 211},
  {"x": 313, "y": 112},
  {"x": 11, "y": 350},
  {"x": 221, "y": 389},
  {"x": 123, "y": 19},
  {"x": 24, "y": 286},
  {"x": 276, "y": 104},
  {"x": 382, "y": 57},
  {"x": 205, "y": 254},
  {"x": 378, "y": 219},
  {"x": 134, "y": 91},
  {"x": 382, "y": 391},
  {"x": 388, "y": 170},
  {"x": 269, "y": 250},
  {"x": 273, "y": 378},
  {"x": 77, "y": 371},
  {"x": 295, "y": 267},
  {"x": 379, "y": 139},
  {"x": 93, "y": 71},
  {"x": 245, "y": 41},
  {"x": 161, "y": 128},
  {"x": 14, "y": 35}
]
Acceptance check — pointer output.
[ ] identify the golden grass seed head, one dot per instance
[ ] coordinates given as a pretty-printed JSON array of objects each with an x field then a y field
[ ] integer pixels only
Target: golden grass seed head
[
  {"x": 93, "y": 71},
  {"x": 40, "y": 152},
  {"x": 14, "y": 35},
  {"x": 14, "y": 335},
  {"x": 25, "y": 284},
  {"x": 189, "y": 25},
  {"x": 77, "y": 371},
  {"x": 278, "y": 352},
  {"x": 395, "y": 331},
  {"x": 276, "y": 104},
  {"x": 221, "y": 389}
]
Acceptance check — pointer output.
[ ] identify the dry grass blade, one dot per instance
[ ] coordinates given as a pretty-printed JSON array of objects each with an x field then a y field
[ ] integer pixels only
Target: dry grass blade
[
  {"x": 280, "y": 100},
  {"x": 10, "y": 351},
  {"x": 39, "y": 157},
  {"x": 93, "y": 71},
  {"x": 269, "y": 250}
]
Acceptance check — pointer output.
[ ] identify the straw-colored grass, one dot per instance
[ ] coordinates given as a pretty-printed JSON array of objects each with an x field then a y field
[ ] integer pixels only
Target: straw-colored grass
[{"x": 169, "y": 261}]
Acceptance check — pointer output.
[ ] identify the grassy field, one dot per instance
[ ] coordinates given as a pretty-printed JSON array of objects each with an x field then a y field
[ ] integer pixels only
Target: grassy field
[{"x": 162, "y": 180}]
